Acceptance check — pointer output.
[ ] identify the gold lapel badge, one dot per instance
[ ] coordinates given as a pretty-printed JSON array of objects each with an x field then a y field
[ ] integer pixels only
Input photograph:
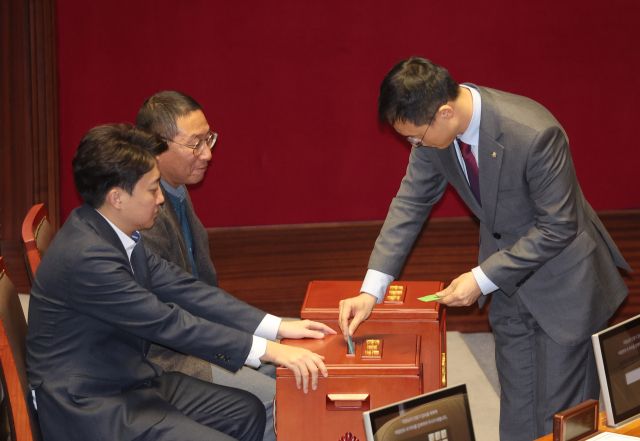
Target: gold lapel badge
[{"x": 494, "y": 155}]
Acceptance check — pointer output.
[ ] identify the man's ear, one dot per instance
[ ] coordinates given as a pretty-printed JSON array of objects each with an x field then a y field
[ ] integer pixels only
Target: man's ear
[
  {"x": 113, "y": 197},
  {"x": 445, "y": 112}
]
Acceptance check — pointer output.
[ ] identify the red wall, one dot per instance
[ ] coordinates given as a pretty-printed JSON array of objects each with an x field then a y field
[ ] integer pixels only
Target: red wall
[{"x": 291, "y": 87}]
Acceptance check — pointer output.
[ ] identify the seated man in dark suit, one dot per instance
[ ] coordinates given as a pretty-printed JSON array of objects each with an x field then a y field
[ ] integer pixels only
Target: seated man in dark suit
[{"x": 100, "y": 297}]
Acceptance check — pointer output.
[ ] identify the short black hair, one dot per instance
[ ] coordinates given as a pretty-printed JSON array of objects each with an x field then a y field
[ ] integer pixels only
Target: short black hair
[
  {"x": 160, "y": 112},
  {"x": 114, "y": 155},
  {"x": 414, "y": 90}
]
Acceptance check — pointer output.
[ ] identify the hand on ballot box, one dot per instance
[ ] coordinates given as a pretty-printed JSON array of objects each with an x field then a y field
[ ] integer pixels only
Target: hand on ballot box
[
  {"x": 357, "y": 307},
  {"x": 303, "y": 329},
  {"x": 302, "y": 362}
]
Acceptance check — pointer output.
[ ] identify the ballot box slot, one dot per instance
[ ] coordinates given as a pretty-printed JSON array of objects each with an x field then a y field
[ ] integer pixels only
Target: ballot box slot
[{"x": 338, "y": 402}]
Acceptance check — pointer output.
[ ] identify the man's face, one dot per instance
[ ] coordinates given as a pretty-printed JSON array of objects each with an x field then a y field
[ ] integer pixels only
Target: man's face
[
  {"x": 439, "y": 134},
  {"x": 178, "y": 165},
  {"x": 140, "y": 208}
]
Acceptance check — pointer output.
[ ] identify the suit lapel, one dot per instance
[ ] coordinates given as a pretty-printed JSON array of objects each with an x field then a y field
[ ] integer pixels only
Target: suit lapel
[
  {"x": 140, "y": 266},
  {"x": 489, "y": 166},
  {"x": 449, "y": 159},
  {"x": 141, "y": 275},
  {"x": 177, "y": 228}
]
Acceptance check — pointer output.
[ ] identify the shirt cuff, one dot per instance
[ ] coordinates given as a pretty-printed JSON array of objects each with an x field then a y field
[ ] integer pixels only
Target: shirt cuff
[
  {"x": 268, "y": 328},
  {"x": 486, "y": 285},
  {"x": 258, "y": 349},
  {"x": 376, "y": 283}
]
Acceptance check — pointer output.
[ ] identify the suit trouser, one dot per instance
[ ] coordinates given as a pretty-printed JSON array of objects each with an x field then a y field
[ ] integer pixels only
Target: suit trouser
[
  {"x": 261, "y": 382},
  {"x": 201, "y": 411},
  {"x": 538, "y": 377}
]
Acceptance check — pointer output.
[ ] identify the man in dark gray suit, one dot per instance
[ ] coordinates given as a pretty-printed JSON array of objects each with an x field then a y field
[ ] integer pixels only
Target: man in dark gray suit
[
  {"x": 100, "y": 297},
  {"x": 544, "y": 254},
  {"x": 179, "y": 236}
]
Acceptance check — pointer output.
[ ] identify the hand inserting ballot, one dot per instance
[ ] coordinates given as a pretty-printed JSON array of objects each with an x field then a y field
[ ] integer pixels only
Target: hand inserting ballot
[{"x": 357, "y": 307}]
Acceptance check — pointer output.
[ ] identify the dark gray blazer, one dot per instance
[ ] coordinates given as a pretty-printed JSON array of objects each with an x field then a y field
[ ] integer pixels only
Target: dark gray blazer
[
  {"x": 539, "y": 237},
  {"x": 91, "y": 319},
  {"x": 166, "y": 239}
]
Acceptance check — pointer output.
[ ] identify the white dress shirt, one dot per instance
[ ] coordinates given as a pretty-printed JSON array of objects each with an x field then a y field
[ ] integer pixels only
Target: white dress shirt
[
  {"x": 377, "y": 282},
  {"x": 267, "y": 329}
]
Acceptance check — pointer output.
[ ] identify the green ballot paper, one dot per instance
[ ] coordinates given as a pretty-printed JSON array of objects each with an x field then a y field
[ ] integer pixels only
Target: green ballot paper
[
  {"x": 430, "y": 298},
  {"x": 352, "y": 349}
]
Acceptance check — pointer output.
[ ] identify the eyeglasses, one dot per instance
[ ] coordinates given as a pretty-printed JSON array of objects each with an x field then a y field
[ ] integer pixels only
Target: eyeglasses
[
  {"x": 209, "y": 141},
  {"x": 415, "y": 142}
]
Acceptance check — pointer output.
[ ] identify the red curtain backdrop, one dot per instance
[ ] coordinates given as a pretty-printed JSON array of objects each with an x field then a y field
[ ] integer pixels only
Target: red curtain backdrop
[{"x": 291, "y": 87}]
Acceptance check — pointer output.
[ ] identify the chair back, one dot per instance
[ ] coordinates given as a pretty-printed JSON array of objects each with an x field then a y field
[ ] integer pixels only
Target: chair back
[
  {"x": 13, "y": 351},
  {"x": 37, "y": 234}
]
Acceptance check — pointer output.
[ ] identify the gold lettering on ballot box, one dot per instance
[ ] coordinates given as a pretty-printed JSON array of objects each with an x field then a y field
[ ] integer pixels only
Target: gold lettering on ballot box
[
  {"x": 395, "y": 294},
  {"x": 372, "y": 349}
]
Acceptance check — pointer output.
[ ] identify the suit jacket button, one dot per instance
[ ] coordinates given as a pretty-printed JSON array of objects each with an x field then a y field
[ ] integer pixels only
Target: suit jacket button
[{"x": 497, "y": 235}]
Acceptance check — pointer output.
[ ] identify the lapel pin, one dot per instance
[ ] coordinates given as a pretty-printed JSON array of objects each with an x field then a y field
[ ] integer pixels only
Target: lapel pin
[{"x": 494, "y": 155}]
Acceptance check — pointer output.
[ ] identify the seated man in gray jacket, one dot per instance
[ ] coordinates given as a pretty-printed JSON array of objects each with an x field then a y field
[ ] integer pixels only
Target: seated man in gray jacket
[
  {"x": 178, "y": 235},
  {"x": 100, "y": 297}
]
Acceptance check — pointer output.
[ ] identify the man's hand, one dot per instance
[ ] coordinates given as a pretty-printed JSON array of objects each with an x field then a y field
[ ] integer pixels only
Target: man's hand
[
  {"x": 303, "y": 329},
  {"x": 301, "y": 361},
  {"x": 357, "y": 307},
  {"x": 463, "y": 291}
]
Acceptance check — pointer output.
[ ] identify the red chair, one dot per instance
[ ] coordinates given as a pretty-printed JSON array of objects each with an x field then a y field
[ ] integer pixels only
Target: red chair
[
  {"x": 23, "y": 421},
  {"x": 37, "y": 234}
]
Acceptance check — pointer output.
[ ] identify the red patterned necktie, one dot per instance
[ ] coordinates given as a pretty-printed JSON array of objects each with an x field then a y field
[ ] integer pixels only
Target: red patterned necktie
[{"x": 472, "y": 169}]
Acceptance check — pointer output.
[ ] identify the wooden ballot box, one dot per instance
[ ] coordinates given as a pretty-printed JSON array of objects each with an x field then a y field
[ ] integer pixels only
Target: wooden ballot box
[
  {"x": 400, "y": 313},
  {"x": 384, "y": 369}
]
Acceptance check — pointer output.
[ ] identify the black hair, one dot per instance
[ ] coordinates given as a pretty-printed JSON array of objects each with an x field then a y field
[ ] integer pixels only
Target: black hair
[
  {"x": 114, "y": 155},
  {"x": 160, "y": 112},
  {"x": 414, "y": 90}
]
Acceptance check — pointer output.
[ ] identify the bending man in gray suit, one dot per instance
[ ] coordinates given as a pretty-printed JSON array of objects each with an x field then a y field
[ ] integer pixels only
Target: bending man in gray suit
[
  {"x": 544, "y": 254},
  {"x": 179, "y": 237},
  {"x": 100, "y": 297}
]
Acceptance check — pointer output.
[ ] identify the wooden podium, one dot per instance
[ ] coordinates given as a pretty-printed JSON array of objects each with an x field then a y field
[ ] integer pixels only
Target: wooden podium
[
  {"x": 384, "y": 369},
  {"x": 400, "y": 313}
]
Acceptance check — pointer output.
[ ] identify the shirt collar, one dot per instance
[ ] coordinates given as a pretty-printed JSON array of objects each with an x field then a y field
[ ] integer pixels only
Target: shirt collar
[
  {"x": 177, "y": 192},
  {"x": 471, "y": 136},
  {"x": 127, "y": 242}
]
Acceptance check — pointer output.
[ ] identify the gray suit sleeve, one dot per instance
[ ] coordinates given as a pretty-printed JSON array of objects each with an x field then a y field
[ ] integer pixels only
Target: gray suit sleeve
[
  {"x": 554, "y": 191},
  {"x": 171, "y": 284},
  {"x": 422, "y": 186},
  {"x": 103, "y": 288}
]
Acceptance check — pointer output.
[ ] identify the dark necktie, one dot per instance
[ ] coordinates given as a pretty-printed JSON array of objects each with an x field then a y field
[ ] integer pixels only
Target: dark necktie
[{"x": 472, "y": 169}]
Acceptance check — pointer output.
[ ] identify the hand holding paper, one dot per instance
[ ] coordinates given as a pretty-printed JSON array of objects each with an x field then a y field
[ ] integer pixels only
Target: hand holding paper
[{"x": 463, "y": 291}]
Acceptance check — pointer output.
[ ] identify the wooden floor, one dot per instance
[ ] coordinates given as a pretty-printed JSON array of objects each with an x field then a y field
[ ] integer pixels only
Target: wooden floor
[{"x": 270, "y": 267}]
